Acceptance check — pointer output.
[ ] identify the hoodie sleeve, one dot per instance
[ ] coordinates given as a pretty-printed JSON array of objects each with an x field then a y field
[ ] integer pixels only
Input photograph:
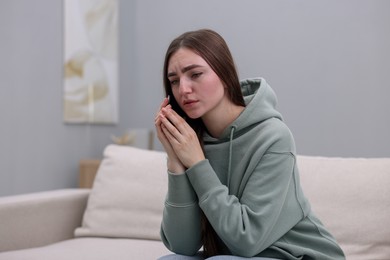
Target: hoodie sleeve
[
  {"x": 180, "y": 227},
  {"x": 266, "y": 210}
]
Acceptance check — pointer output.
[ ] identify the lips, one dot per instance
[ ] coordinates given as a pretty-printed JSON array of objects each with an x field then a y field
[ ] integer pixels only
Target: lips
[{"x": 189, "y": 102}]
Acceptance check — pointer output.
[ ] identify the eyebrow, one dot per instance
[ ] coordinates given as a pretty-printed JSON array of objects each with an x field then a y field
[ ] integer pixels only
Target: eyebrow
[{"x": 185, "y": 69}]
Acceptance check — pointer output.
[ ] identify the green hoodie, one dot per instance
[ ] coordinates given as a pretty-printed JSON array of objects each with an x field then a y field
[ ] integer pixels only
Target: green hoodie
[{"x": 249, "y": 189}]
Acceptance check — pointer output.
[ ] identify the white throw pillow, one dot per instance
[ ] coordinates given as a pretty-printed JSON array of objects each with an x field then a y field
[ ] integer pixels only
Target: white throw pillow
[
  {"x": 127, "y": 197},
  {"x": 352, "y": 198}
]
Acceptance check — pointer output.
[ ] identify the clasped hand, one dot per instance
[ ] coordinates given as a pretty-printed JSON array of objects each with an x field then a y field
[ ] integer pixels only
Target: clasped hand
[{"x": 178, "y": 138}]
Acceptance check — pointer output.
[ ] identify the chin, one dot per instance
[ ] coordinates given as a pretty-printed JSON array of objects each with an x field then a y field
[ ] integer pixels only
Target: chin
[{"x": 193, "y": 115}]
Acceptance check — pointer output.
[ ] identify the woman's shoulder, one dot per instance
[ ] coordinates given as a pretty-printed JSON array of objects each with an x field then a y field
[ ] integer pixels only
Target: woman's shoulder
[
  {"x": 275, "y": 134},
  {"x": 273, "y": 127}
]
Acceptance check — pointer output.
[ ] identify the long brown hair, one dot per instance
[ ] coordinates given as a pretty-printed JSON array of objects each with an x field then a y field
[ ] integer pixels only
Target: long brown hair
[{"x": 213, "y": 49}]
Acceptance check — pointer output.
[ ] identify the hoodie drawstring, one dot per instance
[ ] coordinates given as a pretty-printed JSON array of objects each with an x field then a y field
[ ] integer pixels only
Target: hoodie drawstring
[{"x": 230, "y": 154}]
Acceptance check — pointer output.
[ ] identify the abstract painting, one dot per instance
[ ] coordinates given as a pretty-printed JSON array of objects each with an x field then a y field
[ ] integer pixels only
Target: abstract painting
[{"x": 91, "y": 61}]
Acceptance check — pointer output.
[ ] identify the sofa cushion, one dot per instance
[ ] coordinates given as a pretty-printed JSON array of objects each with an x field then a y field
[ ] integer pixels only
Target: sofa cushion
[
  {"x": 352, "y": 198},
  {"x": 127, "y": 197},
  {"x": 92, "y": 249}
]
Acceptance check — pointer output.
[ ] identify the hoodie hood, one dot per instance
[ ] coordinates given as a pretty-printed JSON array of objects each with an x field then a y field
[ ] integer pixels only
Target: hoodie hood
[{"x": 260, "y": 102}]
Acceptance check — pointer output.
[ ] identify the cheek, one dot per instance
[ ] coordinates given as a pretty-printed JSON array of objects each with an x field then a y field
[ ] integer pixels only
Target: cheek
[{"x": 214, "y": 89}]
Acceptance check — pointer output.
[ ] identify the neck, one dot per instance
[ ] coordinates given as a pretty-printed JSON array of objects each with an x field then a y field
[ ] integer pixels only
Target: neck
[{"x": 217, "y": 121}]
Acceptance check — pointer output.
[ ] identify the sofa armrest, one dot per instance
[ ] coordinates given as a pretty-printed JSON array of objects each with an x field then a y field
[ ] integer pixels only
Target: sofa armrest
[{"x": 41, "y": 218}]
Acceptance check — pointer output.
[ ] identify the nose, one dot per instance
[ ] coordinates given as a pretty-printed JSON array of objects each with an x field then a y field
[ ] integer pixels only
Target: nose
[{"x": 185, "y": 87}]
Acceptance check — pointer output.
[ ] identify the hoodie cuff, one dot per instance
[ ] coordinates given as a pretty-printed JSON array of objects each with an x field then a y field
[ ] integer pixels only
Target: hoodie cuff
[
  {"x": 203, "y": 178},
  {"x": 180, "y": 191}
]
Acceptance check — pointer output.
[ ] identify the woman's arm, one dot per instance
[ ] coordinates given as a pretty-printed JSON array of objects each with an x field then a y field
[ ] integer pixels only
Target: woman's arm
[
  {"x": 180, "y": 229},
  {"x": 266, "y": 210}
]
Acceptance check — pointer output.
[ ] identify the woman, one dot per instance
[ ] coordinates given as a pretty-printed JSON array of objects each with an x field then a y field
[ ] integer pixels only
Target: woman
[{"x": 233, "y": 184}]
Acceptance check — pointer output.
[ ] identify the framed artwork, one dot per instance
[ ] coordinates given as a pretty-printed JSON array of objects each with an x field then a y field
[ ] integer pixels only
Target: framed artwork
[{"x": 90, "y": 78}]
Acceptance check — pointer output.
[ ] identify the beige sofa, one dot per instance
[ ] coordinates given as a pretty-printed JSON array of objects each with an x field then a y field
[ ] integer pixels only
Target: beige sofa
[{"x": 119, "y": 217}]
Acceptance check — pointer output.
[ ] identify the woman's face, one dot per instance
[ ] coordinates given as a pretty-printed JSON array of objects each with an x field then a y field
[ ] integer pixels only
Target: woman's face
[{"x": 195, "y": 86}]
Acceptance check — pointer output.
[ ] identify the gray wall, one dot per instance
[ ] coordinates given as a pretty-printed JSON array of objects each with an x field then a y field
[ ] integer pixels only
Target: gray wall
[{"x": 328, "y": 62}]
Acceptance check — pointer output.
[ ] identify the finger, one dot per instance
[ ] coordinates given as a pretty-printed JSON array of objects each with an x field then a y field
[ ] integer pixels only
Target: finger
[
  {"x": 174, "y": 133},
  {"x": 159, "y": 112},
  {"x": 164, "y": 103},
  {"x": 162, "y": 136},
  {"x": 169, "y": 135},
  {"x": 159, "y": 123},
  {"x": 179, "y": 123},
  {"x": 158, "y": 118}
]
